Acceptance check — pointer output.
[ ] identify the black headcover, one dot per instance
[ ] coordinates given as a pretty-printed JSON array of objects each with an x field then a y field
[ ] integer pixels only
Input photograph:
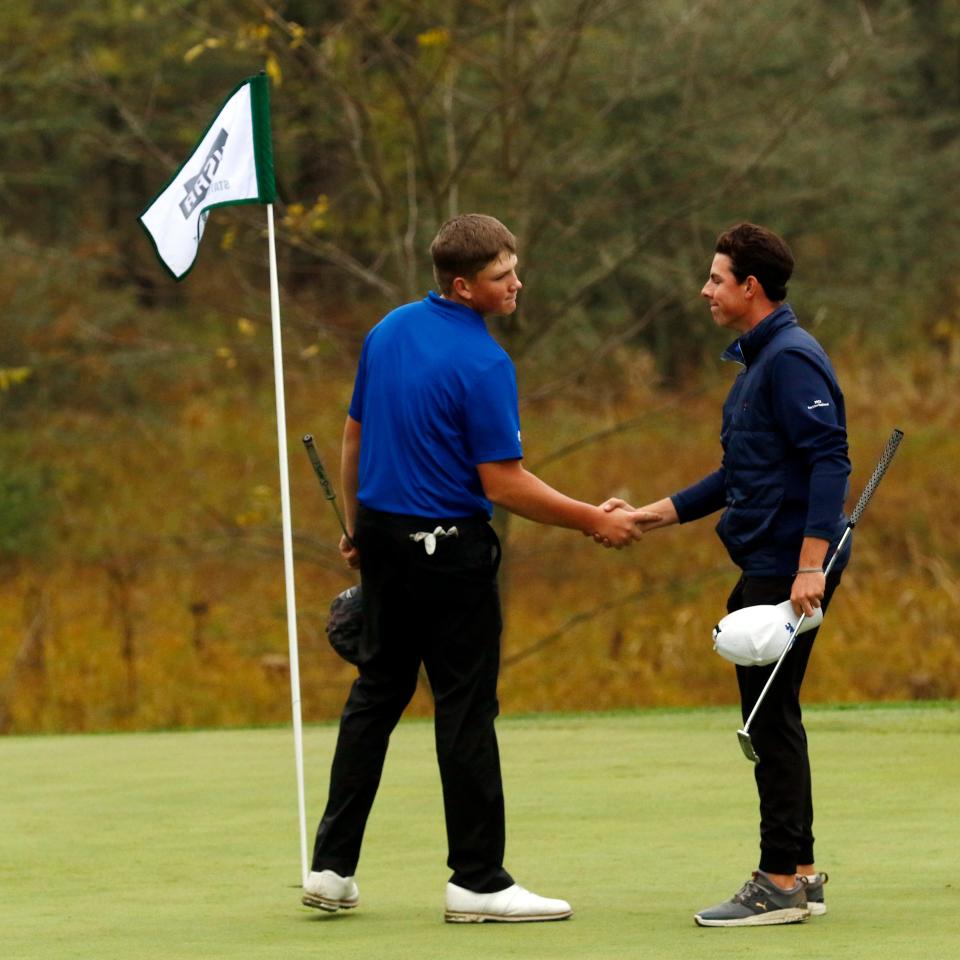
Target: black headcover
[{"x": 345, "y": 624}]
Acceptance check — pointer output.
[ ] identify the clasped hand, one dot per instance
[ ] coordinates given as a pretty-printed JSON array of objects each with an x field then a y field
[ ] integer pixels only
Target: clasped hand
[{"x": 620, "y": 524}]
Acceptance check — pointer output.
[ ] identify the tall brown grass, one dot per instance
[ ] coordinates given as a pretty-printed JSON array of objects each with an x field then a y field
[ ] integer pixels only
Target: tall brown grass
[{"x": 164, "y": 605}]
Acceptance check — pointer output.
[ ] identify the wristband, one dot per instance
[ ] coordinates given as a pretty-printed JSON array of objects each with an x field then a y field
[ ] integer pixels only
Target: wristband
[{"x": 810, "y": 570}]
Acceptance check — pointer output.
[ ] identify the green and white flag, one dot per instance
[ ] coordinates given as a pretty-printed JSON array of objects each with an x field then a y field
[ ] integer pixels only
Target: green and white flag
[{"x": 232, "y": 163}]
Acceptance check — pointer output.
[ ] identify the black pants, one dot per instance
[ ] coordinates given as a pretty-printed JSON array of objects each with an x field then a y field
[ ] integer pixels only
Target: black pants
[
  {"x": 442, "y": 610},
  {"x": 778, "y": 736}
]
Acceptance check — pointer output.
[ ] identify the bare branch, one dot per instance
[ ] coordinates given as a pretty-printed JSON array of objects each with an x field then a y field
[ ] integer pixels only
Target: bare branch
[
  {"x": 394, "y": 62},
  {"x": 584, "y": 616},
  {"x": 619, "y": 338},
  {"x": 132, "y": 121},
  {"x": 330, "y": 251},
  {"x": 410, "y": 274}
]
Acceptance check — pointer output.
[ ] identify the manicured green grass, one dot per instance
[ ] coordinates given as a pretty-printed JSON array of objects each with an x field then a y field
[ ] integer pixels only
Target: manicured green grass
[{"x": 184, "y": 845}]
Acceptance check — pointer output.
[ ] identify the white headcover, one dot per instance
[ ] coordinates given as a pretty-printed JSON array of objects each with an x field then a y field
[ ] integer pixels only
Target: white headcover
[{"x": 755, "y": 636}]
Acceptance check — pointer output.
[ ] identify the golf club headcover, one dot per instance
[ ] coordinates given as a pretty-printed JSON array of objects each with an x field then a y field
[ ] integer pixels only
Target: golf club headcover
[
  {"x": 756, "y": 636},
  {"x": 345, "y": 624}
]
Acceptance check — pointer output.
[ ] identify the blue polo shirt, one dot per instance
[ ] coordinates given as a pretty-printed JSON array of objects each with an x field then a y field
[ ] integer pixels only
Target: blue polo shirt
[{"x": 435, "y": 395}]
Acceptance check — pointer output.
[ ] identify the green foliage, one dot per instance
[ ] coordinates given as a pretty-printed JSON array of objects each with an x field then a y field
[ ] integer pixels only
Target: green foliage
[
  {"x": 25, "y": 528},
  {"x": 616, "y": 139}
]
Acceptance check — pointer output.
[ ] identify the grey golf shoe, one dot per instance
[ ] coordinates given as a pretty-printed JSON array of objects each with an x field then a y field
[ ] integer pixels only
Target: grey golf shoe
[
  {"x": 815, "y": 899},
  {"x": 759, "y": 902}
]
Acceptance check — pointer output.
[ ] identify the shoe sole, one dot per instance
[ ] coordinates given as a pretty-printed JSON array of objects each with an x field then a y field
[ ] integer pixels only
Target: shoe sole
[
  {"x": 790, "y": 915},
  {"x": 324, "y": 903},
  {"x": 454, "y": 916}
]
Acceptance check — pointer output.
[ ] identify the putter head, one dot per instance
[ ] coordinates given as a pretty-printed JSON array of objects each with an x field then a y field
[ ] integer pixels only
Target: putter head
[{"x": 746, "y": 746}]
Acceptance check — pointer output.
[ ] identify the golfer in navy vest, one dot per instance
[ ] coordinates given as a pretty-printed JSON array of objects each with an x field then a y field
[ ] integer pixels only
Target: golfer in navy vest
[
  {"x": 781, "y": 485},
  {"x": 432, "y": 440}
]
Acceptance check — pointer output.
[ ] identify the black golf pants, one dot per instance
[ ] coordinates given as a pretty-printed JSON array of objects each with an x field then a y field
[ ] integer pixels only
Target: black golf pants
[
  {"x": 778, "y": 736},
  {"x": 442, "y": 610}
]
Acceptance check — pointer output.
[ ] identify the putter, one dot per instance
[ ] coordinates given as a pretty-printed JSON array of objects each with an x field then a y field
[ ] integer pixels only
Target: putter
[
  {"x": 325, "y": 482},
  {"x": 881, "y": 468},
  {"x": 345, "y": 623}
]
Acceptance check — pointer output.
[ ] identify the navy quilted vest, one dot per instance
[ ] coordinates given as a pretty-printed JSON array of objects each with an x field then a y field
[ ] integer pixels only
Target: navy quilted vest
[{"x": 767, "y": 486}]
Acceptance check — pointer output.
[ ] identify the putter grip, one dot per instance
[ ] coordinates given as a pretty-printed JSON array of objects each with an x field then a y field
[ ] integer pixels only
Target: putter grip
[
  {"x": 328, "y": 490},
  {"x": 876, "y": 476},
  {"x": 318, "y": 467}
]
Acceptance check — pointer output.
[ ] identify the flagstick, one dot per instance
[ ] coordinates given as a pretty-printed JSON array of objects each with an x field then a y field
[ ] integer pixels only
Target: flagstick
[{"x": 287, "y": 542}]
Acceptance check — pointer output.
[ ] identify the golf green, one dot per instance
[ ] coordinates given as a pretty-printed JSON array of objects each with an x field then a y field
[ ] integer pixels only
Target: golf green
[{"x": 185, "y": 845}]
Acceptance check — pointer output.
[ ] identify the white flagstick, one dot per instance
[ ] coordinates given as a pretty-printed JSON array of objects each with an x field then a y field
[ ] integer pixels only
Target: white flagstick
[{"x": 287, "y": 542}]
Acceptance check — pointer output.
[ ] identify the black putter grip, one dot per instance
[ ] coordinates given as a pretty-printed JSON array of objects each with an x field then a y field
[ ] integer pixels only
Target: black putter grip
[
  {"x": 328, "y": 491},
  {"x": 318, "y": 467},
  {"x": 876, "y": 476}
]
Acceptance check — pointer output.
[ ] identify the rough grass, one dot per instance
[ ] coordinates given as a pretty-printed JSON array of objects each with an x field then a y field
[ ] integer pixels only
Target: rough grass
[
  {"x": 164, "y": 606},
  {"x": 184, "y": 845}
]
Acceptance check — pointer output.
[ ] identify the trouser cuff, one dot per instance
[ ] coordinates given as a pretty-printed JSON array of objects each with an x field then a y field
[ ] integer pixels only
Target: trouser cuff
[
  {"x": 772, "y": 861},
  {"x": 488, "y": 881},
  {"x": 344, "y": 868}
]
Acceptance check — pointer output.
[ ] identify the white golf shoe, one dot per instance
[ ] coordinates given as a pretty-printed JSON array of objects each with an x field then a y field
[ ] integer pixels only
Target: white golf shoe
[
  {"x": 512, "y": 905},
  {"x": 329, "y": 891}
]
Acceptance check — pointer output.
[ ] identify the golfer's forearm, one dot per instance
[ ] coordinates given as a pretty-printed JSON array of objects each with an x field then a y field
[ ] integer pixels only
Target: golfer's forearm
[
  {"x": 812, "y": 553},
  {"x": 526, "y": 495},
  {"x": 667, "y": 511},
  {"x": 350, "y": 472}
]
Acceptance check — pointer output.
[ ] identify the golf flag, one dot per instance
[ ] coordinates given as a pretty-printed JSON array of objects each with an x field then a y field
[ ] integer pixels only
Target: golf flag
[{"x": 231, "y": 164}]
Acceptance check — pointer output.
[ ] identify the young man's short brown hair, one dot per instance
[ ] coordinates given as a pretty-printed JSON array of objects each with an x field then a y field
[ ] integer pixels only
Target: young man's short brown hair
[
  {"x": 758, "y": 252},
  {"x": 465, "y": 245}
]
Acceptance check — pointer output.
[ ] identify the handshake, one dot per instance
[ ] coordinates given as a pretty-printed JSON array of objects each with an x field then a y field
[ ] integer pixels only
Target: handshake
[{"x": 618, "y": 524}]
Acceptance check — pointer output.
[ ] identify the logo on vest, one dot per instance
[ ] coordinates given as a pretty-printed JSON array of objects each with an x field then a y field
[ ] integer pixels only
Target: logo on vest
[{"x": 817, "y": 405}]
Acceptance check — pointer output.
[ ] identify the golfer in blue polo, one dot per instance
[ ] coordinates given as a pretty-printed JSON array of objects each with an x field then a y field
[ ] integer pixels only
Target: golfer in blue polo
[{"x": 431, "y": 442}]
